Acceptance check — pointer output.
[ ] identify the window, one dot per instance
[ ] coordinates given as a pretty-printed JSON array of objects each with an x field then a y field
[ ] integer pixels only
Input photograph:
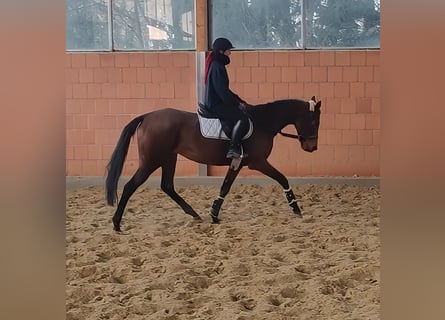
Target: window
[
  {"x": 132, "y": 24},
  {"x": 286, "y": 24}
]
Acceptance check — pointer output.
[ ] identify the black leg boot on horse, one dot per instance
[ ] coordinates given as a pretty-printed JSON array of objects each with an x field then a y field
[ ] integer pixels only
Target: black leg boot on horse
[{"x": 239, "y": 130}]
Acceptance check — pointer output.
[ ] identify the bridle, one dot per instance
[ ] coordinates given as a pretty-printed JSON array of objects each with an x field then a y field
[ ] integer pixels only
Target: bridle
[{"x": 299, "y": 137}]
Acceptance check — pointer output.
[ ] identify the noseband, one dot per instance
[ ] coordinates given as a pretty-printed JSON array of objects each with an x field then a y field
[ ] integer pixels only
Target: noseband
[{"x": 297, "y": 136}]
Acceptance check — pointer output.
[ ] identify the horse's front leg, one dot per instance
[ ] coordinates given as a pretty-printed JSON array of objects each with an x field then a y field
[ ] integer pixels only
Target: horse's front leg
[
  {"x": 267, "y": 169},
  {"x": 225, "y": 188}
]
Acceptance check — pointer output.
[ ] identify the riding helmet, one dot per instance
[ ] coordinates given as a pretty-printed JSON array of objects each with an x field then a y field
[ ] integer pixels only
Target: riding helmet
[{"x": 222, "y": 44}]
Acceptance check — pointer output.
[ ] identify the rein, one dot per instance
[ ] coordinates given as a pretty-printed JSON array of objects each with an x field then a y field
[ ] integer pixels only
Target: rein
[{"x": 296, "y": 136}]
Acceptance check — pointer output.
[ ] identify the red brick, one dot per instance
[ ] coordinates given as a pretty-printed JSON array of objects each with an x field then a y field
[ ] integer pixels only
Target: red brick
[
  {"x": 67, "y": 60},
  {"x": 100, "y": 75},
  {"x": 80, "y": 91},
  {"x": 304, "y": 74},
  {"x": 349, "y": 137},
  {"x": 311, "y": 58},
  {"x": 375, "y": 105},
  {"x": 151, "y": 59},
  {"x": 335, "y": 74},
  {"x": 327, "y": 89},
  {"x": 281, "y": 59},
  {"x": 166, "y": 90},
  {"x": 136, "y": 59},
  {"x": 266, "y": 59},
  {"x": 373, "y": 58},
  {"x": 251, "y": 59},
  {"x": 122, "y": 60},
  {"x": 88, "y": 106},
  {"x": 341, "y": 153},
  {"x": 341, "y": 90},
  {"x": 357, "y": 89},
  {"x": 92, "y": 60},
  {"x": 342, "y": 58},
  {"x": 372, "y": 153},
  {"x": 114, "y": 75},
  {"x": 365, "y": 74},
  {"x": 289, "y": 74},
  {"x": 332, "y": 105},
  {"x": 188, "y": 74},
  {"x": 376, "y": 72},
  {"x": 78, "y": 60},
  {"x": 358, "y": 121},
  {"x": 102, "y": 106},
  {"x": 265, "y": 90},
  {"x": 236, "y": 59},
  {"x": 251, "y": 90},
  {"x": 258, "y": 74},
  {"x": 80, "y": 152},
  {"x": 364, "y": 105},
  {"x": 372, "y": 121},
  {"x": 107, "y": 60},
  {"x": 364, "y": 137},
  {"x": 129, "y": 75},
  {"x": 356, "y": 153},
  {"x": 88, "y": 136},
  {"x": 348, "y": 105},
  {"x": 296, "y": 58},
  {"x": 319, "y": 74},
  {"x": 182, "y": 90},
  {"x": 376, "y": 137},
  {"x": 242, "y": 74},
  {"x": 158, "y": 75},
  {"x": 358, "y": 58},
  {"x": 143, "y": 75},
  {"x": 327, "y": 58},
  {"x": 85, "y": 75},
  {"x": 72, "y": 75},
  {"x": 94, "y": 90},
  {"x": 72, "y": 106},
  {"x": 342, "y": 121},
  {"x": 327, "y": 121},
  {"x": 172, "y": 74},
  {"x": 311, "y": 89},
  {"x": 180, "y": 59},
  {"x": 74, "y": 168},
  {"x": 350, "y": 74},
  {"x": 123, "y": 90},
  {"x": 117, "y": 106},
  {"x": 296, "y": 89},
  {"x": 372, "y": 89},
  {"x": 108, "y": 90},
  {"x": 273, "y": 74},
  {"x": 281, "y": 91},
  {"x": 333, "y": 137},
  {"x": 80, "y": 121}
]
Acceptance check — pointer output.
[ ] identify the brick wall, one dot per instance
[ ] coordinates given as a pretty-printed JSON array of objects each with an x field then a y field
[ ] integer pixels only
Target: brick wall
[{"x": 105, "y": 90}]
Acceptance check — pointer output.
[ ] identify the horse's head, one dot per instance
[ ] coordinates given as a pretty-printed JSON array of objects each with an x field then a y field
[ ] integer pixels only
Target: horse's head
[{"x": 307, "y": 125}]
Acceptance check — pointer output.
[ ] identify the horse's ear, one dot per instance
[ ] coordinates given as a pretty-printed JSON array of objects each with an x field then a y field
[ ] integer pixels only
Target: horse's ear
[
  {"x": 313, "y": 99},
  {"x": 318, "y": 105}
]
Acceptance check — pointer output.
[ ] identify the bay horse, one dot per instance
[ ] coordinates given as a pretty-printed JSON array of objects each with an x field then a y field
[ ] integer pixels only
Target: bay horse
[{"x": 165, "y": 133}]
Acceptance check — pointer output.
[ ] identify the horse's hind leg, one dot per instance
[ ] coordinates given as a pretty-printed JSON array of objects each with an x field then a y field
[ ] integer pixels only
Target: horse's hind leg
[
  {"x": 167, "y": 185},
  {"x": 130, "y": 187},
  {"x": 225, "y": 188}
]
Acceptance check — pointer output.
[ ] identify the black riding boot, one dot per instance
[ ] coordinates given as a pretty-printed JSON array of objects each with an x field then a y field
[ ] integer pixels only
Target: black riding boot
[{"x": 238, "y": 132}]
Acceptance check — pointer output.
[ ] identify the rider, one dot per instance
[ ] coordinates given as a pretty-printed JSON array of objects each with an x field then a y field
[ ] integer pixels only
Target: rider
[{"x": 219, "y": 99}]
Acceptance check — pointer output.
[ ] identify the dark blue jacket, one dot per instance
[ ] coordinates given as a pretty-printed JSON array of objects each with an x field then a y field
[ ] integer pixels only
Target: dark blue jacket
[{"x": 219, "y": 99}]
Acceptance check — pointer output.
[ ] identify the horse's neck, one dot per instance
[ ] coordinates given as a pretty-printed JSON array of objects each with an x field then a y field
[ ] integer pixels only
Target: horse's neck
[{"x": 275, "y": 115}]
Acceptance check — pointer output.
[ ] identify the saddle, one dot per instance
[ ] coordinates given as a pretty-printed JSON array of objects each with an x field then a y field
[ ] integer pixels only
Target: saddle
[{"x": 211, "y": 127}]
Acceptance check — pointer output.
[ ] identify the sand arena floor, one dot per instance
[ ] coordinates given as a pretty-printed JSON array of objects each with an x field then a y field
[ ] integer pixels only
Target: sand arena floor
[{"x": 261, "y": 262}]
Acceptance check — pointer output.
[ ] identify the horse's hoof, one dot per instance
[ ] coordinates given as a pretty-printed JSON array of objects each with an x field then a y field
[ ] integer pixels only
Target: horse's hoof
[
  {"x": 197, "y": 218},
  {"x": 117, "y": 228},
  {"x": 298, "y": 214},
  {"x": 215, "y": 220}
]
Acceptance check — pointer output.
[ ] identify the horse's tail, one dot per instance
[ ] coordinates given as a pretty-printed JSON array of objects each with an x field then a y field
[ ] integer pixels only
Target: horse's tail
[{"x": 114, "y": 167}]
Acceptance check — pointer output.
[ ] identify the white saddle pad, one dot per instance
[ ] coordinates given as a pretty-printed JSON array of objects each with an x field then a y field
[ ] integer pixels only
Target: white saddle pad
[{"x": 211, "y": 128}]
